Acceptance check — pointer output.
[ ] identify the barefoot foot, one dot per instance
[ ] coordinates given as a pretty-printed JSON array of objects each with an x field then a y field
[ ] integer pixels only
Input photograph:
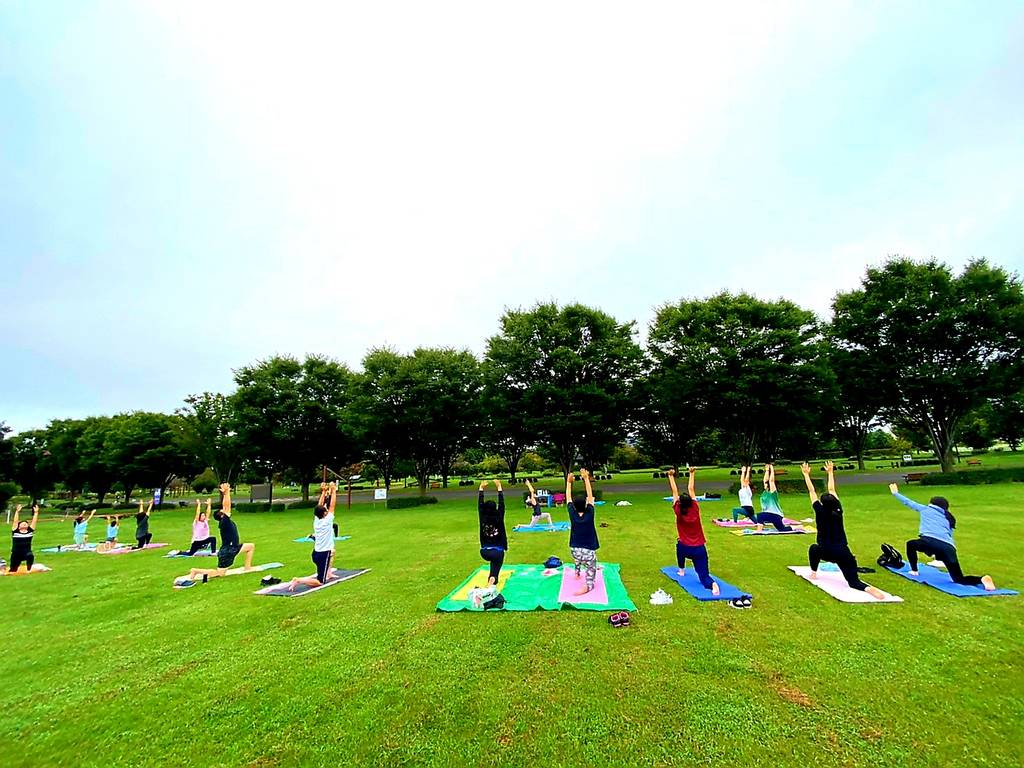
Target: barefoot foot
[
  {"x": 581, "y": 592},
  {"x": 681, "y": 572},
  {"x": 987, "y": 583},
  {"x": 714, "y": 588},
  {"x": 814, "y": 574},
  {"x": 875, "y": 592}
]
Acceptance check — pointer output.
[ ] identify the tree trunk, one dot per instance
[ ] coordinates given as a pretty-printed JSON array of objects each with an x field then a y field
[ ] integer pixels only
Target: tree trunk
[
  {"x": 128, "y": 492},
  {"x": 305, "y": 491}
]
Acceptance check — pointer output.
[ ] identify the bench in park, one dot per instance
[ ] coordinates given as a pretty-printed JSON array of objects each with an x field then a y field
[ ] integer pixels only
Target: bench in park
[
  {"x": 974, "y": 462},
  {"x": 912, "y": 476}
]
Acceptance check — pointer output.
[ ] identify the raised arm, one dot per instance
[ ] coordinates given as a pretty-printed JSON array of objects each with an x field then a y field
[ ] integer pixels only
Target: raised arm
[
  {"x": 35, "y": 516},
  {"x": 209, "y": 504},
  {"x": 323, "y": 495},
  {"x": 225, "y": 489},
  {"x": 533, "y": 493},
  {"x": 17, "y": 517},
  {"x": 691, "y": 484},
  {"x": 333, "y": 488},
  {"x": 480, "y": 499},
  {"x": 142, "y": 506},
  {"x": 92, "y": 513},
  {"x": 895, "y": 491},
  {"x": 771, "y": 478},
  {"x": 672, "y": 484},
  {"x": 744, "y": 477},
  {"x": 568, "y": 487},
  {"x": 149, "y": 508},
  {"x": 586, "y": 483},
  {"x": 199, "y": 509},
  {"x": 806, "y": 469},
  {"x": 830, "y": 470},
  {"x": 501, "y": 497}
]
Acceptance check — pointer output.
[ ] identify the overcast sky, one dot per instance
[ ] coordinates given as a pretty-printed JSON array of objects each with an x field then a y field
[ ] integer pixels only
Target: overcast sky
[{"x": 187, "y": 187}]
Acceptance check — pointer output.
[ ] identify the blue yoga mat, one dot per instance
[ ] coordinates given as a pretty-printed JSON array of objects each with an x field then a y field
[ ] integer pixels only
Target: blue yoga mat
[
  {"x": 309, "y": 539},
  {"x": 561, "y": 525},
  {"x": 692, "y": 585},
  {"x": 941, "y": 580}
]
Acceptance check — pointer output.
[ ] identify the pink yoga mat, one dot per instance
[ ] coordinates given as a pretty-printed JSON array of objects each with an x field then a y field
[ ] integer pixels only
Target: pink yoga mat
[
  {"x": 570, "y": 584},
  {"x": 745, "y": 523}
]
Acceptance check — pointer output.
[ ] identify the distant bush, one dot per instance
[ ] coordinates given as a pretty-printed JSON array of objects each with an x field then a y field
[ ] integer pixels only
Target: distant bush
[
  {"x": 205, "y": 482},
  {"x": 7, "y": 492},
  {"x": 405, "y": 502},
  {"x": 311, "y": 504},
  {"x": 975, "y": 477}
]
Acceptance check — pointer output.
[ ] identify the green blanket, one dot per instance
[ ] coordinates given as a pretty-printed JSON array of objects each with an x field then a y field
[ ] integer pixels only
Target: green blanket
[{"x": 526, "y": 588}]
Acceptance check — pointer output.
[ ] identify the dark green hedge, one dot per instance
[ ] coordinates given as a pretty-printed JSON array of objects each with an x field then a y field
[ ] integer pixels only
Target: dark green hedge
[
  {"x": 405, "y": 502},
  {"x": 975, "y": 477},
  {"x": 258, "y": 506}
]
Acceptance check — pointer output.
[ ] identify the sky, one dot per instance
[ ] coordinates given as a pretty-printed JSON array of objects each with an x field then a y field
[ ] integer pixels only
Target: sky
[{"x": 189, "y": 187}]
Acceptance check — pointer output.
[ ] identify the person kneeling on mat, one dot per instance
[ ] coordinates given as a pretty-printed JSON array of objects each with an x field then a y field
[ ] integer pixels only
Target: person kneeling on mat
[
  {"x": 691, "y": 542},
  {"x": 583, "y": 543},
  {"x": 142, "y": 535},
  {"x": 21, "y": 539},
  {"x": 535, "y": 514},
  {"x": 201, "y": 537},
  {"x": 323, "y": 538},
  {"x": 82, "y": 527},
  {"x": 935, "y": 538},
  {"x": 831, "y": 545},
  {"x": 746, "y": 496},
  {"x": 493, "y": 540},
  {"x": 230, "y": 546},
  {"x": 771, "y": 511}
]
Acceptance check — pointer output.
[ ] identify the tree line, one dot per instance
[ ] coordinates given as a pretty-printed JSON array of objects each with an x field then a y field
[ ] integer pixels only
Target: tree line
[{"x": 915, "y": 347}]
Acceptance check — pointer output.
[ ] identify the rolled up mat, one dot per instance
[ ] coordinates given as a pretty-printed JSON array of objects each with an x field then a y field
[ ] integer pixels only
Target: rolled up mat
[
  {"x": 339, "y": 575},
  {"x": 943, "y": 582},
  {"x": 693, "y": 587},
  {"x": 834, "y": 584}
]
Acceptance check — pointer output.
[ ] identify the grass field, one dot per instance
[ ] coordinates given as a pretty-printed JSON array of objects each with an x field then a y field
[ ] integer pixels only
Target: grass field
[{"x": 105, "y": 664}]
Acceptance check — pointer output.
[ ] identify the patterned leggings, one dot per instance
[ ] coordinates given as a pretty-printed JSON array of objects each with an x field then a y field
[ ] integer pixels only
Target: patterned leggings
[{"x": 585, "y": 558}]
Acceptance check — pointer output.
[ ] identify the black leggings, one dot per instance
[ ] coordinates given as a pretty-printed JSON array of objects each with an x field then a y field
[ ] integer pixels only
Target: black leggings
[
  {"x": 197, "y": 545},
  {"x": 143, "y": 541},
  {"x": 17, "y": 558},
  {"x": 335, "y": 530},
  {"x": 775, "y": 519},
  {"x": 841, "y": 556},
  {"x": 495, "y": 557},
  {"x": 747, "y": 510},
  {"x": 941, "y": 551}
]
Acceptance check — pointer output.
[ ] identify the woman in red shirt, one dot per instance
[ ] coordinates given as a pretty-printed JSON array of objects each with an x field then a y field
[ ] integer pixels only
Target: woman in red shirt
[{"x": 691, "y": 543}]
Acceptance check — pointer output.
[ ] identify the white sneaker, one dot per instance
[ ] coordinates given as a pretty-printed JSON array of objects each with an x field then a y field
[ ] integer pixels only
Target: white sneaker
[{"x": 661, "y": 597}]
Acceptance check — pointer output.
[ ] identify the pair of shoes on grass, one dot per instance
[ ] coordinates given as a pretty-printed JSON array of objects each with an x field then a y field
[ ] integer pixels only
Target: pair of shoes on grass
[
  {"x": 741, "y": 602},
  {"x": 620, "y": 619}
]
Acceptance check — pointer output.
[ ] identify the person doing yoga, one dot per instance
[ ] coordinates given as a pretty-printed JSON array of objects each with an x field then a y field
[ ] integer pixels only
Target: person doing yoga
[
  {"x": 21, "y": 540},
  {"x": 230, "y": 545},
  {"x": 201, "y": 538},
  {"x": 935, "y": 538},
  {"x": 746, "y": 495},
  {"x": 81, "y": 531},
  {"x": 493, "y": 539},
  {"x": 535, "y": 509},
  {"x": 323, "y": 538},
  {"x": 690, "y": 543},
  {"x": 583, "y": 543},
  {"x": 771, "y": 511},
  {"x": 831, "y": 545},
  {"x": 142, "y": 534}
]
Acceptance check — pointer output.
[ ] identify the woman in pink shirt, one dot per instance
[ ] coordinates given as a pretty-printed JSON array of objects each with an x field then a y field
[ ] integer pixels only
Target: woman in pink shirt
[{"x": 201, "y": 530}]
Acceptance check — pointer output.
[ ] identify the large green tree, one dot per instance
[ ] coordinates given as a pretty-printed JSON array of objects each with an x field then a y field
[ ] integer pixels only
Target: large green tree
[
  {"x": 941, "y": 344},
  {"x": 859, "y": 400},
  {"x": 5, "y": 451},
  {"x": 145, "y": 451},
  {"x": 208, "y": 432},
  {"x": 63, "y": 437},
  {"x": 32, "y": 466},
  {"x": 374, "y": 414},
  {"x": 733, "y": 373},
  {"x": 570, "y": 373},
  {"x": 1007, "y": 419},
  {"x": 291, "y": 415},
  {"x": 97, "y": 464}
]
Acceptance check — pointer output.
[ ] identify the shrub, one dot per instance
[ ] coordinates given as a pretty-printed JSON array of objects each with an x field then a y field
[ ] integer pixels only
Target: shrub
[
  {"x": 311, "y": 504},
  {"x": 257, "y": 506},
  {"x": 405, "y": 502},
  {"x": 975, "y": 477},
  {"x": 7, "y": 492},
  {"x": 205, "y": 482}
]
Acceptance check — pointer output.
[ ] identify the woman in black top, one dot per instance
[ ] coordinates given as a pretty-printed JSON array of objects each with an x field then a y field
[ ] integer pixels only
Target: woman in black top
[
  {"x": 583, "y": 544},
  {"x": 21, "y": 539},
  {"x": 142, "y": 535},
  {"x": 493, "y": 541},
  {"x": 831, "y": 545}
]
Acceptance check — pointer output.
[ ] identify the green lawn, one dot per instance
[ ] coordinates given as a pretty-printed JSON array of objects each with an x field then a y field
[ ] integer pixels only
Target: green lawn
[{"x": 105, "y": 664}]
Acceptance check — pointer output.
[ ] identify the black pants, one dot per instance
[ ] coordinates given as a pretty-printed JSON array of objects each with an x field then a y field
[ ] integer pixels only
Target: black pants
[
  {"x": 495, "y": 557},
  {"x": 197, "y": 545},
  {"x": 143, "y": 541},
  {"x": 941, "y": 551},
  {"x": 841, "y": 556},
  {"x": 749, "y": 512},
  {"x": 335, "y": 526},
  {"x": 17, "y": 558},
  {"x": 774, "y": 519}
]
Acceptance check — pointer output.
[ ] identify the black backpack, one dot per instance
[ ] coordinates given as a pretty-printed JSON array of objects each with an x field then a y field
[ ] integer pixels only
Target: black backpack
[{"x": 890, "y": 557}]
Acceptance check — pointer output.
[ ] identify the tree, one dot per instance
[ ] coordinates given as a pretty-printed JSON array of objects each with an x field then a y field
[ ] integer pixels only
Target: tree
[
  {"x": 32, "y": 466},
  {"x": 975, "y": 431},
  {"x": 98, "y": 466},
  {"x": 1007, "y": 419},
  {"x": 570, "y": 373},
  {"x": 440, "y": 408},
  {"x": 5, "y": 451},
  {"x": 859, "y": 398},
  {"x": 942, "y": 344},
  {"x": 374, "y": 414},
  {"x": 63, "y": 437},
  {"x": 145, "y": 451},
  {"x": 291, "y": 415},
  {"x": 735, "y": 374},
  {"x": 207, "y": 432},
  {"x": 507, "y": 428}
]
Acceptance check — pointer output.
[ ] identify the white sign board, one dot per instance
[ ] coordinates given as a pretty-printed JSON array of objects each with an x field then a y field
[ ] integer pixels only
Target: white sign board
[
  {"x": 907, "y": 457},
  {"x": 380, "y": 494}
]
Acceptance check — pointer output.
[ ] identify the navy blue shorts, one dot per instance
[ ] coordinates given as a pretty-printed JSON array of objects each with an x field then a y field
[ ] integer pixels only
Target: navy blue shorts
[{"x": 322, "y": 560}]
